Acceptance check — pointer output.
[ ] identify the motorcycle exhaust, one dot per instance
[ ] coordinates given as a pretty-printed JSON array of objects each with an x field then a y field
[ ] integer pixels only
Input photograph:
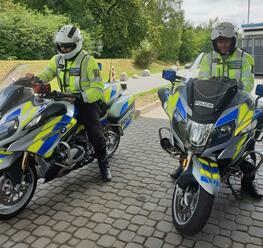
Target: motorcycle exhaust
[{"x": 70, "y": 156}]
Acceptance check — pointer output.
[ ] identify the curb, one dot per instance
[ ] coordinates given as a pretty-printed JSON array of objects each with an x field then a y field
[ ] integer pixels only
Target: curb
[{"x": 146, "y": 108}]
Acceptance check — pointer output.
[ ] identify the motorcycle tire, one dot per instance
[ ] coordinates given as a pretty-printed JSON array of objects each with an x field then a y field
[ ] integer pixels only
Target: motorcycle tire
[{"x": 202, "y": 208}]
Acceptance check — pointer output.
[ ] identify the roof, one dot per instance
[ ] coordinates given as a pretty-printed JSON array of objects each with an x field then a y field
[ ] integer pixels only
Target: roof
[{"x": 252, "y": 25}]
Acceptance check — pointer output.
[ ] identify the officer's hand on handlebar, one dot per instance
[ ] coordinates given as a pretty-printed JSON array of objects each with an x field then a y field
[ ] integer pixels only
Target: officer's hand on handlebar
[
  {"x": 66, "y": 97},
  {"x": 29, "y": 75},
  {"x": 33, "y": 78}
]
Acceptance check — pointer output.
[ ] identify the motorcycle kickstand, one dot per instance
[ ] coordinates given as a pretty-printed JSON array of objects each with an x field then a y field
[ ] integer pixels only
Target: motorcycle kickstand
[{"x": 234, "y": 192}]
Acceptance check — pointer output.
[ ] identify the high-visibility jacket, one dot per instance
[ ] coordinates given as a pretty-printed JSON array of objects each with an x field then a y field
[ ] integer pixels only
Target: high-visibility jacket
[
  {"x": 79, "y": 75},
  {"x": 239, "y": 65}
]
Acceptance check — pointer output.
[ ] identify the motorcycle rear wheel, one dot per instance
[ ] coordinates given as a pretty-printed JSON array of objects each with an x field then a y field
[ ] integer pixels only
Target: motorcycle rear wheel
[{"x": 112, "y": 142}]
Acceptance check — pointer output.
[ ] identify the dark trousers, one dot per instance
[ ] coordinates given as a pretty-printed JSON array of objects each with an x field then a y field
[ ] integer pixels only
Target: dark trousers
[{"x": 90, "y": 118}]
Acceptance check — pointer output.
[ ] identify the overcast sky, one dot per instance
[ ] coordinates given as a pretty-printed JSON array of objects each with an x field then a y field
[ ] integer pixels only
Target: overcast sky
[{"x": 200, "y": 11}]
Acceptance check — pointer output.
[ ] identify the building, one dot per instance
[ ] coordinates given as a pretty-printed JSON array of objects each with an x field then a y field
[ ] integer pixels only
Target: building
[{"x": 252, "y": 42}]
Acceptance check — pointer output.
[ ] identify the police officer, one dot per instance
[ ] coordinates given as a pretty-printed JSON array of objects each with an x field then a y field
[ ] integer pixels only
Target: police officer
[
  {"x": 78, "y": 73},
  {"x": 227, "y": 60}
]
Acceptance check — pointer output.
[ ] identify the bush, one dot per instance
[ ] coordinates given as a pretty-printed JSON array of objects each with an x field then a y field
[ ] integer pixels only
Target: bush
[
  {"x": 145, "y": 54},
  {"x": 25, "y": 34}
]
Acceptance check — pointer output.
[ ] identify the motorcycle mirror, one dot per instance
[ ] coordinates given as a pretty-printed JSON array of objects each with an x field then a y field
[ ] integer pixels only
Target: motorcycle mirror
[
  {"x": 259, "y": 90},
  {"x": 169, "y": 75}
]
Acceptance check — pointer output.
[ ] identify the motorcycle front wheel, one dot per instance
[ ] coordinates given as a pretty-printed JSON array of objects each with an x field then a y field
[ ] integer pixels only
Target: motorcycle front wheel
[
  {"x": 15, "y": 197},
  {"x": 191, "y": 208}
]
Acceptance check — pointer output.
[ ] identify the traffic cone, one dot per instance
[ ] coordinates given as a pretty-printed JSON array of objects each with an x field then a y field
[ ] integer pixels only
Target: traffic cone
[{"x": 113, "y": 74}]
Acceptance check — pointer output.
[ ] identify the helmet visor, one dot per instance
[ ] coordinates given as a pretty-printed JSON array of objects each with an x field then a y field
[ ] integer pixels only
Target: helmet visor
[{"x": 65, "y": 47}]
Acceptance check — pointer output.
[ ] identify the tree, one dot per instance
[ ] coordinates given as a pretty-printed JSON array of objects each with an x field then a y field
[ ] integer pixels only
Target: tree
[{"x": 122, "y": 24}]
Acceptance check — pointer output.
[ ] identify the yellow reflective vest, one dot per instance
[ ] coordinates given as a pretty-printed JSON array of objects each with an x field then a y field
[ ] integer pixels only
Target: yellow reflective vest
[
  {"x": 80, "y": 75},
  {"x": 239, "y": 65}
]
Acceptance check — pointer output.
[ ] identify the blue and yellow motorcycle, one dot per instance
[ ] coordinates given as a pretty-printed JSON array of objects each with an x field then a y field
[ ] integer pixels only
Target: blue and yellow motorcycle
[
  {"x": 40, "y": 137},
  {"x": 213, "y": 129}
]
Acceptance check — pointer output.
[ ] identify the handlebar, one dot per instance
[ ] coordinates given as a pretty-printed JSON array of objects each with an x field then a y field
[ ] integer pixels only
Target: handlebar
[{"x": 58, "y": 96}]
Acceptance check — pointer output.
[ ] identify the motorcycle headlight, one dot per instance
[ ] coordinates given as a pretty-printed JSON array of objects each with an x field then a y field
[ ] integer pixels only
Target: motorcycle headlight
[
  {"x": 34, "y": 122},
  {"x": 190, "y": 132},
  {"x": 198, "y": 133},
  {"x": 8, "y": 128},
  {"x": 179, "y": 126},
  {"x": 222, "y": 134}
]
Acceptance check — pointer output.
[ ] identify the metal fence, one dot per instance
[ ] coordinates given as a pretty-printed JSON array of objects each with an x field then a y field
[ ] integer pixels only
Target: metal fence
[{"x": 254, "y": 46}]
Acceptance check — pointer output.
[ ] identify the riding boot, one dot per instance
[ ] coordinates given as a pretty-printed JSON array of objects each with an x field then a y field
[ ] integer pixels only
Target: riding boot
[
  {"x": 247, "y": 182},
  {"x": 105, "y": 169}
]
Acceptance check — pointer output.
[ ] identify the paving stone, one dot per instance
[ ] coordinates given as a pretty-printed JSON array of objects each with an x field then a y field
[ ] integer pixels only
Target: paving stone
[
  {"x": 61, "y": 226},
  {"x": 126, "y": 236},
  {"x": 145, "y": 231},
  {"x": 73, "y": 242},
  {"x": 31, "y": 239},
  {"x": 106, "y": 241},
  {"x": 253, "y": 246},
  {"x": 156, "y": 215},
  {"x": 153, "y": 242},
  {"x": 114, "y": 232},
  {"x": 139, "y": 239},
  {"x": 102, "y": 228},
  {"x": 3, "y": 239},
  {"x": 133, "y": 245},
  {"x": 8, "y": 244},
  {"x": 257, "y": 216},
  {"x": 227, "y": 224},
  {"x": 44, "y": 231},
  {"x": 62, "y": 237},
  {"x": 138, "y": 219},
  {"x": 41, "y": 220},
  {"x": 240, "y": 237},
  {"x": 11, "y": 231},
  {"x": 120, "y": 224},
  {"x": 256, "y": 241},
  {"x": 22, "y": 224},
  {"x": 41, "y": 243},
  {"x": 86, "y": 244},
  {"x": 256, "y": 231},
  {"x": 173, "y": 238},
  {"x": 237, "y": 245},
  {"x": 19, "y": 236},
  {"x": 133, "y": 210},
  {"x": 244, "y": 220},
  {"x": 203, "y": 244},
  {"x": 99, "y": 217},
  {"x": 222, "y": 242},
  {"x": 164, "y": 226},
  {"x": 118, "y": 244},
  {"x": 158, "y": 234}
]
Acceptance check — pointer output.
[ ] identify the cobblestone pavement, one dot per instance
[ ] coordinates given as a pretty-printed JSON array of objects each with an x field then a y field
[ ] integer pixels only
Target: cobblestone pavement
[{"x": 134, "y": 210}]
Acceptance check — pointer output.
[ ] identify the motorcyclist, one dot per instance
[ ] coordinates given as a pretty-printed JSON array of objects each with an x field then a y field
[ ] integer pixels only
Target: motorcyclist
[
  {"x": 227, "y": 60},
  {"x": 78, "y": 73}
]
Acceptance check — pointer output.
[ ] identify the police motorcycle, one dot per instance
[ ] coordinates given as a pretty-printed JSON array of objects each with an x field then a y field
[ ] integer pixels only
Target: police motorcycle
[
  {"x": 40, "y": 137},
  {"x": 213, "y": 129}
]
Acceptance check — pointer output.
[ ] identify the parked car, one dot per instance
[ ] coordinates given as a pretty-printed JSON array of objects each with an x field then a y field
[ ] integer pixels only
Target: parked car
[{"x": 192, "y": 70}]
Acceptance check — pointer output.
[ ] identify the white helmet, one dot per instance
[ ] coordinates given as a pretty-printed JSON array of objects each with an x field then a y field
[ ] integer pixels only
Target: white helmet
[
  {"x": 224, "y": 30},
  {"x": 69, "y": 37}
]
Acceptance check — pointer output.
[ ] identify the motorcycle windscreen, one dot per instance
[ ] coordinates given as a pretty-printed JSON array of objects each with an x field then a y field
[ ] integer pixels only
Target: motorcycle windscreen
[
  {"x": 13, "y": 95},
  {"x": 209, "y": 98}
]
